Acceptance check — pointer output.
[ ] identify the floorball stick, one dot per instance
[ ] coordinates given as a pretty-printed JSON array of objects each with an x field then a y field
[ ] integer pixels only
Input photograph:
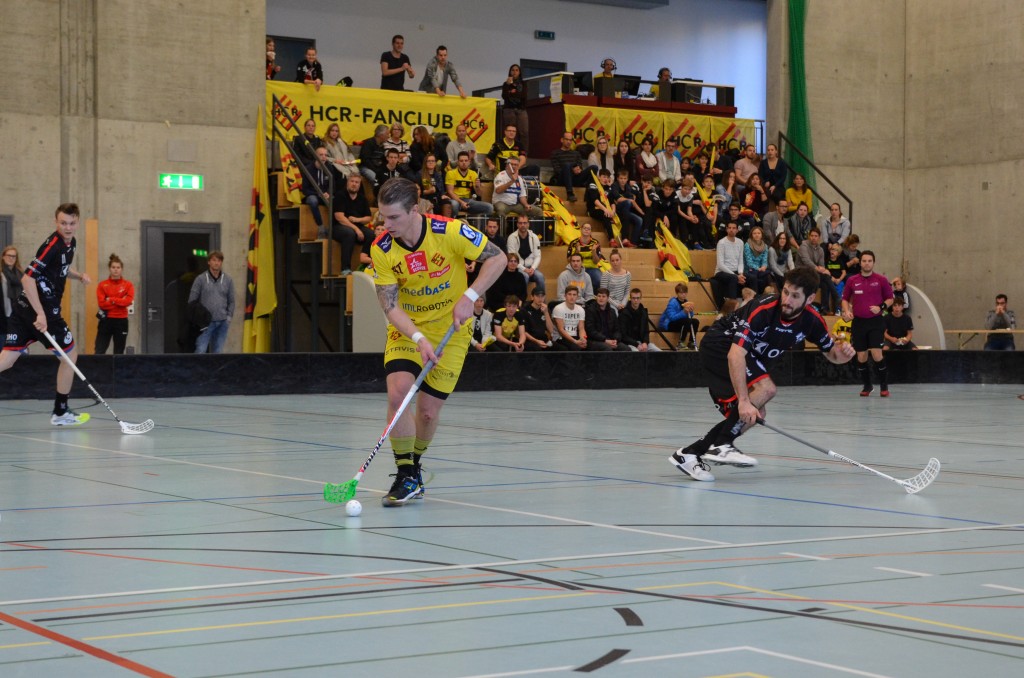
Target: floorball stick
[
  {"x": 340, "y": 493},
  {"x": 126, "y": 427},
  {"x": 911, "y": 485}
]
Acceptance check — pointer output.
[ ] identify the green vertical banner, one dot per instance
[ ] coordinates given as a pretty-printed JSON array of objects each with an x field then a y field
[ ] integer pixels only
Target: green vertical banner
[{"x": 799, "y": 127}]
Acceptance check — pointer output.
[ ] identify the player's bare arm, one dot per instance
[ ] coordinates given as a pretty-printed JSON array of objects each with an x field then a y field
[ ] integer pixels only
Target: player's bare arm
[
  {"x": 842, "y": 352},
  {"x": 738, "y": 375},
  {"x": 387, "y": 296},
  {"x": 491, "y": 267}
]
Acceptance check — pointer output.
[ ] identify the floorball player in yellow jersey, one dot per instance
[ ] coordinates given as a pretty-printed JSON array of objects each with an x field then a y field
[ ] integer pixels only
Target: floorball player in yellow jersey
[{"x": 420, "y": 274}]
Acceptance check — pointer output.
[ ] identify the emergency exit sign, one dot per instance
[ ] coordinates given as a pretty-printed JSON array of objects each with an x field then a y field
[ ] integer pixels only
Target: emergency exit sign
[{"x": 182, "y": 182}]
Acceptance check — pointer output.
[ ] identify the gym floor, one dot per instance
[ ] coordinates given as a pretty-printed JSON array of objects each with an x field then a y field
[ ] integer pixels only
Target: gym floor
[{"x": 555, "y": 538}]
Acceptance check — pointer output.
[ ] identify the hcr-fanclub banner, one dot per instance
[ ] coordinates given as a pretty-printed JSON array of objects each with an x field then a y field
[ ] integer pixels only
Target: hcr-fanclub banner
[{"x": 358, "y": 111}]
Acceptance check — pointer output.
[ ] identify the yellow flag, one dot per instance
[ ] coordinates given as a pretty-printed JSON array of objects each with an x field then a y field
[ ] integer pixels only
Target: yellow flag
[
  {"x": 616, "y": 223},
  {"x": 260, "y": 289},
  {"x": 566, "y": 228},
  {"x": 674, "y": 255}
]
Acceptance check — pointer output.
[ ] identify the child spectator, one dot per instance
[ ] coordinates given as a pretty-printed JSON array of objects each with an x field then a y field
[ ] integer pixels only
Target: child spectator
[
  {"x": 679, "y": 316},
  {"x": 836, "y": 265},
  {"x": 509, "y": 327},
  {"x": 899, "y": 329}
]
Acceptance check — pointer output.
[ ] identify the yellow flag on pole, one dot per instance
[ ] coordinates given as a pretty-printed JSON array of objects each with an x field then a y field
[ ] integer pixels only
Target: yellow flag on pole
[
  {"x": 566, "y": 227},
  {"x": 616, "y": 223},
  {"x": 260, "y": 289}
]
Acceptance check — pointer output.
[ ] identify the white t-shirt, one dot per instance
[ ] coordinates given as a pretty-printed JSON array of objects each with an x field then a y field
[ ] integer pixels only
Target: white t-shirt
[
  {"x": 510, "y": 196},
  {"x": 571, "y": 318}
]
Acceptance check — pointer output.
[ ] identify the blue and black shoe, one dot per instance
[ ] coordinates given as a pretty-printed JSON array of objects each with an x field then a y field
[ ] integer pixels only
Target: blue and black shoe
[{"x": 407, "y": 485}]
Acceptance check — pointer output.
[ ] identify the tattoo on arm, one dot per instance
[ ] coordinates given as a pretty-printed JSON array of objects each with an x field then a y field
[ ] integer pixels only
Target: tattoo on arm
[
  {"x": 491, "y": 250},
  {"x": 387, "y": 295}
]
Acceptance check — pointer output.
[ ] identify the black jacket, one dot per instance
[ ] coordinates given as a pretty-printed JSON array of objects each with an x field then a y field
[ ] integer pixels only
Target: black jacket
[
  {"x": 634, "y": 326},
  {"x": 600, "y": 324}
]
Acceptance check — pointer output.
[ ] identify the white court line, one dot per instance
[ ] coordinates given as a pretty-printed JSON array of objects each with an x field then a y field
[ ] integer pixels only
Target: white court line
[
  {"x": 1004, "y": 588},
  {"x": 910, "y": 572},
  {"x": 803, "y": 555}
]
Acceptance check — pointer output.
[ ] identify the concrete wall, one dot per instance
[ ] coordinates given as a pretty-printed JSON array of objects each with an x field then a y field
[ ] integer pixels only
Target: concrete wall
[{"x": 94, "y": 93}]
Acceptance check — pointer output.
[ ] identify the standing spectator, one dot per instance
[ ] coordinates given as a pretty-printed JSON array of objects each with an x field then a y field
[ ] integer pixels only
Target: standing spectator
[
  {"x": 624, "y": 160},
  {"x": 337, "y": 151},
  {"x": 272, "y": 68},
  {"x": 39, "y": 309},
  {"x": 574, "y": 277},
  {"x": 371, "y": 154},
  {"x": 624, "y": 198},
  {"x": 422, "y": 145},
  {"x": 509, "y": 327},
  {"x": 462, "y": 143},
  {"x": 617, "y": 281},
  {"x": 513, "y": 110},
  {"x": 567, "y": 167},
  {"x": 999, "y": 319},
  {"x": 309, "y": 70},
  {"x": 10, "y": 278},
  {"x": 510, "y": 193},
  {"x": 800, "y": 224},
  {"x": 509, "y": 283},
  {"x": 899, "y": 329},
  {"x": 634, "y": 324},
  {"x": 114, "y": 295},
  {"x": 569, "y": 319},
  {"x": 216, "y": 292},
  {"x": 865, "y": 300},
  {"x": 394, "y": 66},
  {"x": 439, "y": 72},
  {"x": 773, "y": 172},
  {"x": 836, "y": 265},
  {"x": 780, "y": 258},
  {"x": 539, "y": 328},
  {"x": 668, "y": 162},
  {"x": 746, "y": 166},
  {"x": 680, "y": 316},
  {"x": 602, "y": 156},
  {"x": 837, "y": 227},
  {"x": 317, "y": 191},
  {"x": 352, "y": 218},
  {"x": 729, "y": 263},
  {"x": 602, "y": 324},
  {"x": 799, "y": 192},
  {"x": 755, "y": 261},
  {"x": 899, "y": 291},
  {"x": 305, "y": 144},
  {"x": 590, "y": 250},
  {"x": 526, "y": 244},
  {"x": 482, "y": 332},
  {"x": 463, "y": 188},
  {"x": 432, "y": 188},
  {"x": 646, "y": 161},
  {"x": 810, "y": 255}
]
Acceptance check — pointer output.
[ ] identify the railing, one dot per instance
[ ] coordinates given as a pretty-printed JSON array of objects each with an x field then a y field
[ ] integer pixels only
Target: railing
[{"x": 784, "y": 140}]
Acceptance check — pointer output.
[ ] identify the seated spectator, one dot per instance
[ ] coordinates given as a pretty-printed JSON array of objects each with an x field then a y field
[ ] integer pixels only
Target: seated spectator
[
  {"x": 371, "y": 154},
  {"x": 509, "y": 327},
  {"x": 365, "y": 260},
  {"x": 777, "y": 220},
  {"x": 316, "y": 193},
  {"x": 569, "y": 319},
  {"x": 492, "y": 229},
  {"x": 590, "y": 250},
  {"x": 852, "y": 255},
  {"x": 836, "y": 265},
  {"x": 680, "y": 316},
  {"x": 781, "y": 258},
  {"x": 899, "y": 291},
  {"x": 1000, "y": 319},
  {"x": 526, "y": 244},
  {"x": 899, "y": 329},
  {"x": 510, "y": 193},
  {"x": 668, "y": 208},
  {"x": 432, "y": 188},
  {"x": 509, "y": 283},
  {"x": 773, "y": 171},
  {"x": 482, "y": 324},
  {"x": 574, "y": 277},
  {"x": 503, "y": 149},
  {"x": 596, "y": 208},
  {"x": 746, "y": 166},
  {"x": 634, "y": 324},
  {"x": 837, "y": 227},
  {"x": 686, "y": 169},
  {"x": 624, "y": 160},
  {"x": 603, "y": 157},
  {"x": 351, "y": 219},
  {"x": 422, "y": 145},
  {"x": 602, "y": 324},
  {"x": 664, "y": 84},
  {"x": 668, "y": 162},
  {"x": 337, "y": 152},
  {"x": 800, "y": 224},
  {"x": 539, "y": 328},
  {"x": 309, "y": 70},
  {"x": 461, "y": 143},
  {"x": 706, "y": 209},
  {"x": 305, "y": 144},
  {"x": 395, "y": 141},
  {"x": 567, "y": 167},
  {"x": 646, "y": 161},
  {"x": 755, "y": 199},
  {"x": 810, "y": 255},
  {"x": 755, "y": 261},
  {"x": 395, "y": 66},
  {"x": 799, "y": 192},
  {"x": 391, "y": 170},
  {"x": 439, "y": 72},
  {"x": 623, "y": 197},
  {"x": 463, "y": 188},
  {"x": 617, "y": 281},
  {"x": 745, "y": 222},
  {"x": 647, "y": 196},
  {"x": 729, "y": 263},
  {"x": 729, "y": 191},
  {"x": 702, "y": 168}
]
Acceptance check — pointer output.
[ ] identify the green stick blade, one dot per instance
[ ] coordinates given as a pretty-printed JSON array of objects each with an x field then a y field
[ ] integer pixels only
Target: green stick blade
[{"x": 340, "y": 493}]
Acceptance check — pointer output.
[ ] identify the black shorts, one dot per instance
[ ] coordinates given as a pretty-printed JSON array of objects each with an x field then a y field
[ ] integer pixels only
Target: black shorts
[
  {"x": 716, "y": 367},
  {"x": 21, "y": 333},
  {"x": 867, "y": 333}
]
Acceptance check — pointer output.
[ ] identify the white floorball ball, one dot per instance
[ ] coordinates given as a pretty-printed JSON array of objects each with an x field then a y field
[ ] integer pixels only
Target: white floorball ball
[{"x": 353, "y": 508}]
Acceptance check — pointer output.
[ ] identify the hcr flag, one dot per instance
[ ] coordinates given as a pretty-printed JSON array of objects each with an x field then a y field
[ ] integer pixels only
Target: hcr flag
[{"x": 260, "y": 289}]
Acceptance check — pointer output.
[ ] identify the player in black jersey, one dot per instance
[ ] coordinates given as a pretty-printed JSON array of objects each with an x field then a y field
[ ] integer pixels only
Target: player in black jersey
[
  {"x": 38, "y": 309},
  {"x": 737, "y": 354}
]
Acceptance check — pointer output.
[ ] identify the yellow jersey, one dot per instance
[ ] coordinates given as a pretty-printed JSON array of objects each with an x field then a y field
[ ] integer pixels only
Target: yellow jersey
[
  {"x": 432, "y": 275},
  {"x": 464, "y": 185}
]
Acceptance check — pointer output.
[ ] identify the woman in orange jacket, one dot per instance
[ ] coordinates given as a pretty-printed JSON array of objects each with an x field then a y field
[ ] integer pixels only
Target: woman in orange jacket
[{"x": 115, "y": 295}]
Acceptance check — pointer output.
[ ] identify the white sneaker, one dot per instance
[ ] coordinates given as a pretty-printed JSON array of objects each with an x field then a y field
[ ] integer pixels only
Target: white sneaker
[
  {"x": 727, "y": 454},
  {"x": 691, "y": 465},
  {"x": 69, "y": 418}
]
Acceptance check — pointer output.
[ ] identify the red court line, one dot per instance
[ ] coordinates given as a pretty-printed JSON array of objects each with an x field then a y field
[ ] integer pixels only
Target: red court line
[{"x": 83, "y": 647}]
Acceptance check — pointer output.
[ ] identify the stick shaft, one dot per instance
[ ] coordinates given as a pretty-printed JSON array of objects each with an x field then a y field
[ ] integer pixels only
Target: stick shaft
[
  {"x": 67, "y": 359},
  {"x": 834, "y": 455}
]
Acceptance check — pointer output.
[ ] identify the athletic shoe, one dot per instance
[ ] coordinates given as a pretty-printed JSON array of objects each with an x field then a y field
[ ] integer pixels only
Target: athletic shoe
[
  {"x": 405, "y": 487},
  {"x": 418, "y": 474},
  {"x": 691, "y": 465},
  {"x": 69, "y": 418},
  {"x": 729, "y": 455},
  {"x": 865, "y": 392},
  {"x": 884, "y": 393}
]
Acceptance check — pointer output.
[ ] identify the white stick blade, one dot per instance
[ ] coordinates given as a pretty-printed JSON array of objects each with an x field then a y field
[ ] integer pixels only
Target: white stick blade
[
  {"x": 924, "y": 478},
  {"x": 137, "y": 429}
]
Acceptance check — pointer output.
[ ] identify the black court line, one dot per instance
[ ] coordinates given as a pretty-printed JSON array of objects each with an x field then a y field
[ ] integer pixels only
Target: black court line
[
  {"x": 631, "y": 618},
  {"x": 599, "y": 663}
]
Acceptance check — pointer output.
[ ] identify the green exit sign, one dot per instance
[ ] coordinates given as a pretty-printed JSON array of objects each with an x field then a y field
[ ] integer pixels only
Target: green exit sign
[
  {"x": 182, "y": 182},
  {"x": 543, "y": 35}
]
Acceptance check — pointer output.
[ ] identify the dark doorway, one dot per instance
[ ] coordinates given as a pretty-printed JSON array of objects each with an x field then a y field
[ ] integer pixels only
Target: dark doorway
[
  {"x": 7, "y": 232},
  {"x": 174, "y": 254},
  {"x": 288, "y": 52}
]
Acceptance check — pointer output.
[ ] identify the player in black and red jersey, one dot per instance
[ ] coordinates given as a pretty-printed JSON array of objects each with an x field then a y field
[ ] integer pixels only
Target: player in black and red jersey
[
  {"x": 38, "y": 309},
  {"x": 737, "y": 354}
]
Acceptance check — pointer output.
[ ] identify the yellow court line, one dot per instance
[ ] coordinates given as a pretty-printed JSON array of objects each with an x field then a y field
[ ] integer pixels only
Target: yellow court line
[{"x": 17, "y": 645}]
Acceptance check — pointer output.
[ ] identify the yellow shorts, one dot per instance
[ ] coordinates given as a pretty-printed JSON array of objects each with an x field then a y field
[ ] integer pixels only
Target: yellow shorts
[{"x": 402, "y": 355}]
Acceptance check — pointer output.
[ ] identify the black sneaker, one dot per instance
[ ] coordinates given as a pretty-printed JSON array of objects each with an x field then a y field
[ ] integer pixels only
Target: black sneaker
[
  {"x": 418, "y": 474},
  {"x": 406, "y": 486}
]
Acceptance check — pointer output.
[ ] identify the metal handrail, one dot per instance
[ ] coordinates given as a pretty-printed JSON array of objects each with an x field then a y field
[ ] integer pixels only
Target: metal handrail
[
  {"x": 817, "y": 170},
  {"x": 281, "y": 109}
]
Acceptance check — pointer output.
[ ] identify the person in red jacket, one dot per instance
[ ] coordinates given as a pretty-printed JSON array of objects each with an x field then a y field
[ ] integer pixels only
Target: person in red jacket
[{"x": 115, "y": 295}]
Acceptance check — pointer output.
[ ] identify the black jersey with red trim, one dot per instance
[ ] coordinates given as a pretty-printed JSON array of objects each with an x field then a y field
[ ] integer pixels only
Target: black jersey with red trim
[
  {"x": 758, "y": 327},
  {"x": 50, "y": 271}
]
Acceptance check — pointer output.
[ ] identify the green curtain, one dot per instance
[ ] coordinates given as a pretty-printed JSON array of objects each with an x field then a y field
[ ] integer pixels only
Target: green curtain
[{"x": 799, "y": 127}]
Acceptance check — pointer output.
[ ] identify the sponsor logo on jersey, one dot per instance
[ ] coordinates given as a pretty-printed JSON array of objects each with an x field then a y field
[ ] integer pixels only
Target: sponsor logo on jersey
[
  {"x": 417, "y": 262},
  {"x": 397, "y": 269},
  {"x": 438, "y": 259},
  {"x": 438, "y": 225},
  {"x": 471, "y": 234},
  {"x": 438, "y": 274},
  {"x": 428, "y": 291},
  {"x": 384, "y": 242}
]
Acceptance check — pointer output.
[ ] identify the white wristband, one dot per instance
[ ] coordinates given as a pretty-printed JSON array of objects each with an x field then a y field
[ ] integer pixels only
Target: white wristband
[
  {"x": 472, "y": 294},
  {"x": 416, "y": 336}
]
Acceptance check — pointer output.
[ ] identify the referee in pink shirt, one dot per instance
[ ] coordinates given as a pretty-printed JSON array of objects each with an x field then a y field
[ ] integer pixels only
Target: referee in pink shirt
[{"x": 866, "y": 297}]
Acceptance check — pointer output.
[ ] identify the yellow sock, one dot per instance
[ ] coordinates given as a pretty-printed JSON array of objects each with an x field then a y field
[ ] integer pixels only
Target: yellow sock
[
  {"x": 419, "y": 447},
  {"x": 402, "y": 447}
]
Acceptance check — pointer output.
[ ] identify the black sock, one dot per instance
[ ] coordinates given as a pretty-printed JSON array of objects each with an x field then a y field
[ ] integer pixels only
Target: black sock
[
  {"x": 865, "y": 375},
  {"x": 60, "y": 404},
  {"x": 883, "y": 374},
  {"x": 731, "y": 428},
  {"x": 701, "y": 446}
]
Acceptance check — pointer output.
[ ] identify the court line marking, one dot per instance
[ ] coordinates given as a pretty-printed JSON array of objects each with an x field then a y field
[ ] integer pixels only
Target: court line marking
[
  {"x": 1004, "y": 588},
  {"x": 803, "y": 555},
  {"x": 503, "y": 564},
  {"x": 910, "y": 572}
]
